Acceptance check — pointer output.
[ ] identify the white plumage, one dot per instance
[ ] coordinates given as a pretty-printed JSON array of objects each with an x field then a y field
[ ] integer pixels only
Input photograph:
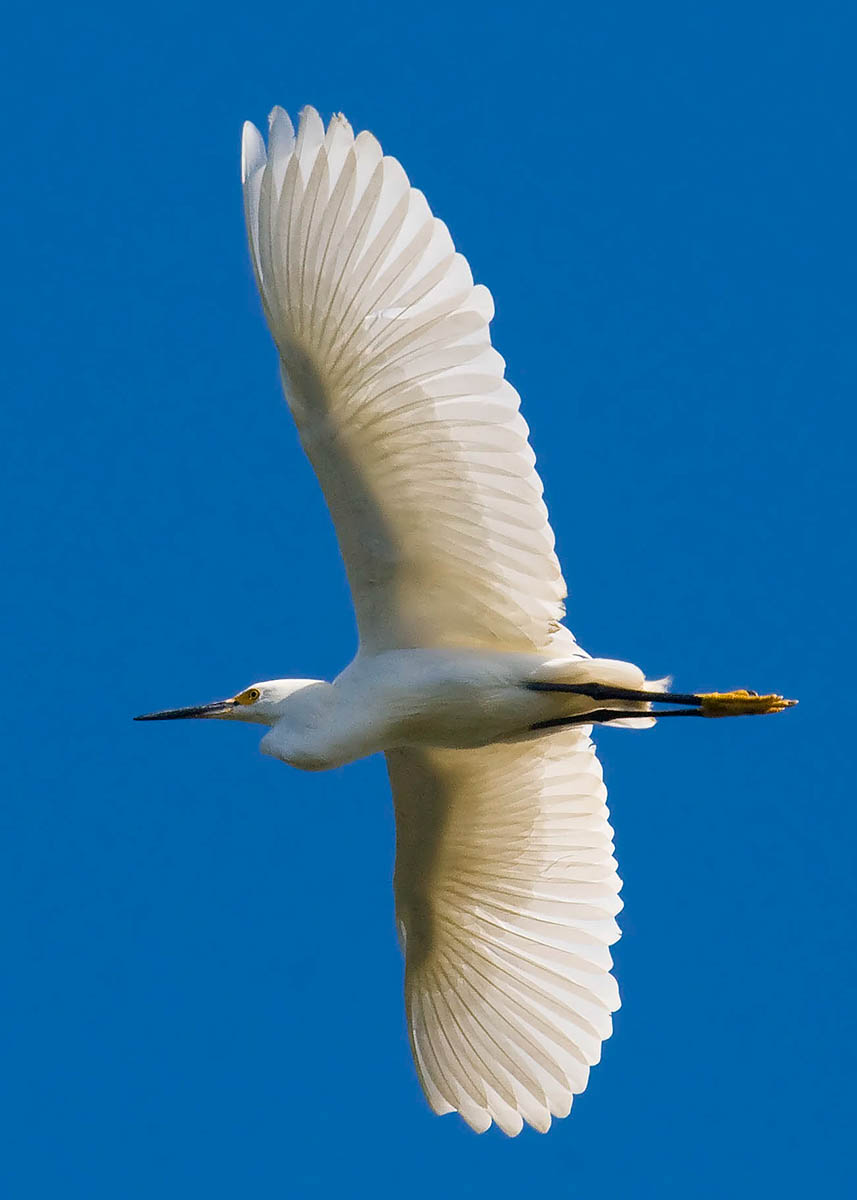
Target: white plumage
[
  {"x": 398, "y": 396},
  {"x": 506, "y": 887},
  {"x": 505, "y": 883}
]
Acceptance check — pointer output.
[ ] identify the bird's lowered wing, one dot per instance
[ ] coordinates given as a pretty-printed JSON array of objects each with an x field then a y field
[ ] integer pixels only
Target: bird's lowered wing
[
  {"x": 399, "y": 399},
  {"x": 506, "y": 894}
]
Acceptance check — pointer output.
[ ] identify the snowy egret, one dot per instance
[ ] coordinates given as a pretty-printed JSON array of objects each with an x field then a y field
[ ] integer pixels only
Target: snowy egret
[{"x": 505, "y": 884}]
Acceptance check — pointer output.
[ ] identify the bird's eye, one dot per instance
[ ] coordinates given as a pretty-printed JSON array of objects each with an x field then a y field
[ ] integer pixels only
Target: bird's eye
[{"x": 250, "y": 696}]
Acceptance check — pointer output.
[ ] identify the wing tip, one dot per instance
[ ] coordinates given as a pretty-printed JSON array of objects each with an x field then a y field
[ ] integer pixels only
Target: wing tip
[{"x": 253, "y": 152}]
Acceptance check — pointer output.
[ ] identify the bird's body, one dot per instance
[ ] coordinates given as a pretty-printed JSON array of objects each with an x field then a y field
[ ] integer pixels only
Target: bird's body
[
  {"x": 443, "y": 699},
  {"x": 466, "y": 678}
]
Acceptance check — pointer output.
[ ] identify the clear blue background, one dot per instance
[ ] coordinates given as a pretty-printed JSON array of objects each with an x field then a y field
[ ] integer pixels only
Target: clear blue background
[{"x": 204, "y": 991}]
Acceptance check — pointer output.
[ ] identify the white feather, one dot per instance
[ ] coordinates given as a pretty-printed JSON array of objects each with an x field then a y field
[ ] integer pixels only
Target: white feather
[
  {"x": 400, "y": 401},
  {"x": 507, "y": 889}
]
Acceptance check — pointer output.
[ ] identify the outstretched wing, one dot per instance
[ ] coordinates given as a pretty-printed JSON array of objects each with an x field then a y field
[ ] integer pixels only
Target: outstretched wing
[
  {"x": 506, "y": 894},
  {"x": 399, "y": 399}
]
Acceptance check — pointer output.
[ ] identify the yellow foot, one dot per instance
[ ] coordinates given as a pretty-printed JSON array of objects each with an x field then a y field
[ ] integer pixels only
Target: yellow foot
[{"x": 741, "y": 704}]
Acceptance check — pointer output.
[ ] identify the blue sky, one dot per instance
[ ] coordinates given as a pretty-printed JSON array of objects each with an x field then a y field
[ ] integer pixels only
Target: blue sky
[{"x": 204, "y": 980}]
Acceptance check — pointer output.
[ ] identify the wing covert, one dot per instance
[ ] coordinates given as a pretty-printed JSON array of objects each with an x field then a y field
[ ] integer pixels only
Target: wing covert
[{"x": 400, "y": 400}]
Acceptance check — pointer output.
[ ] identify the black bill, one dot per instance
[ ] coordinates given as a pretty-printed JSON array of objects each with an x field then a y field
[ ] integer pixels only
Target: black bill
[{"x": 219, "y": 708}]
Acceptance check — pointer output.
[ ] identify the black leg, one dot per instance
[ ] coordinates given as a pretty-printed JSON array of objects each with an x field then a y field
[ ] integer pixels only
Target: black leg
[
  {"x": 604, "y": 691},
  {"x": 600, "y": 715}
]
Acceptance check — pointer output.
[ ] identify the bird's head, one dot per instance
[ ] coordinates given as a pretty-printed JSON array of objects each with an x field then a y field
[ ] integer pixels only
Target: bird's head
[{"x": 261, "y": 703}]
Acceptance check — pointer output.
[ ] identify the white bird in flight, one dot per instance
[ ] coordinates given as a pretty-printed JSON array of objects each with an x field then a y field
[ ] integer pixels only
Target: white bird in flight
[{"x": 505, "y": 883}]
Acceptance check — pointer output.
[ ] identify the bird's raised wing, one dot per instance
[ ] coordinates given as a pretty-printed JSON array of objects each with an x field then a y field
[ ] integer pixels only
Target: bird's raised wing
[
  {"x": 506, "y": 894},
  {"x": 399, "y": 399}
]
